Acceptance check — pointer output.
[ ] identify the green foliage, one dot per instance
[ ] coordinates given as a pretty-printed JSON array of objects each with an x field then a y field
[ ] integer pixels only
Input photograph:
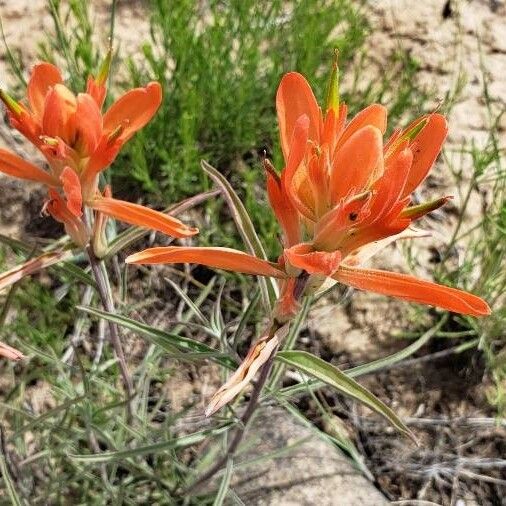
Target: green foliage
[{"x": 74, "y": 40}]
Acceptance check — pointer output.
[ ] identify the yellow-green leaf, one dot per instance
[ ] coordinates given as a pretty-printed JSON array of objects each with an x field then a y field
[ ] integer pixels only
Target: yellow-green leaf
[{"x": 318, "y": 368}]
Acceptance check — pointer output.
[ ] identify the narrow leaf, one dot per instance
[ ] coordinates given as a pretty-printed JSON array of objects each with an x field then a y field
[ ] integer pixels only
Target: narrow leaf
[
  {"x": 180, "y": 442},
  {"x": 67, "y": 267},
  {"x": 225, "y": 483},
  {"x": 318, "y": 368},
  {"x": 244, "y": 225},
  {"x": 9, "y": 485},
  {"x": 196, "y": 311},
  {"x": 171, "y": 343},
  {"x": 31, "y": 267}
]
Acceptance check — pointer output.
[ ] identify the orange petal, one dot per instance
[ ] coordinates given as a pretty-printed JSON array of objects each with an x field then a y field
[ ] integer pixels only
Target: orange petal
[
  {"x": 59, "y": 118},
  {"x": 293, "y": 181},
  {"x": 295, "y": 98},
  {"x": 141, "y": 216},
  {"x": 257, "y": 356},
  {"x": 104, "y": 155},
  {"x": 96, "y": 90},
  {"x": 57, "y": 207},
  {"x": 413, "y": 289},
  {"x": 388, "y": 189},
  {"x": 44, "y": 76},
  {"x": 425, "y": 147},
  {"x": 374, "y": 115},
  {"x": 89, "y": 124},
  {"x": 355, "y": 162},
  {"x": 286, "y": 214},
  {"x": 34, "y": 265},
  {"x": 134, "y": 109},
  {"x": 219, "y": 258},
  {"x": 10, "y": 352},
  {"x": 15, "y": 166},
  {"x": 303, "y": 257},
  {"x": 72, "y": 191}
]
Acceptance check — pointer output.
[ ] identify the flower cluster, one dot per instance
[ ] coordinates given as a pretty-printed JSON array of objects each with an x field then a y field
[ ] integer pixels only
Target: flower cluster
[
  {"x": 343, "y": 195},
  {"x": 79, "y": 141}
]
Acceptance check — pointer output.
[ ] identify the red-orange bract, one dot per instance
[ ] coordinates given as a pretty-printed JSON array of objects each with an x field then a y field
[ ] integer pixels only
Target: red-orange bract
[
  {"x": 343, "y": 195},
  {"x": 78, "y": 141}
]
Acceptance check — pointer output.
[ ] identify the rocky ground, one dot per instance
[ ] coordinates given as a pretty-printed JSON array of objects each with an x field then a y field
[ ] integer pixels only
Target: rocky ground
[{"x": 461, "y": 46}]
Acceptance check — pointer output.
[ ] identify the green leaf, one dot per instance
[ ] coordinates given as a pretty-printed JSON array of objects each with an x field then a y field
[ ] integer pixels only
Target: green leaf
[
  {"x": 244, "y": 225},
  {"x": 9, "y": 485},
  {"x": 171, "y": 343},
  {"x": 318, "y": 368},
  {"x": 75, "y": 272},
  {"x": 172, "y": 444},
  {"x": 225, "y": 483},
  {"x": 371, "y": 367},
  {"x": 196, "y": 311}
]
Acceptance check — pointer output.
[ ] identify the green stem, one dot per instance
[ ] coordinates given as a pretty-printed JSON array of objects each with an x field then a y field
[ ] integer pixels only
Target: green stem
[{"x": 105, "y": 294}]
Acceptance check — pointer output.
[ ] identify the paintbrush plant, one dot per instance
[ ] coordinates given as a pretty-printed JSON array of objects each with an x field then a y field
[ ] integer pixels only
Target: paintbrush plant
[{"x": 343, "y": 195}]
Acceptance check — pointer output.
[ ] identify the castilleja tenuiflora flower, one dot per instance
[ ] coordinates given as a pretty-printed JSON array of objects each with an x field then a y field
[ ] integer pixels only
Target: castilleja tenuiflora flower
[
  {"x": 343, "y": 195},
  {"x": 78, "y": 142}
]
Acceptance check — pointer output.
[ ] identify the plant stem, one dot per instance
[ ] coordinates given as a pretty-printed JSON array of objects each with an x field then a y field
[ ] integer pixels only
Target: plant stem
[
  {"x": 240, "y": 431},
  {"x": 265, "y": 371},
  {"x": 105, "y": 294}
]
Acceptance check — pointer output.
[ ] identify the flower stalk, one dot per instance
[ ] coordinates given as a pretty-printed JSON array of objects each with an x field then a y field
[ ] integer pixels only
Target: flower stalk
[{"x": 105, "y": 294}]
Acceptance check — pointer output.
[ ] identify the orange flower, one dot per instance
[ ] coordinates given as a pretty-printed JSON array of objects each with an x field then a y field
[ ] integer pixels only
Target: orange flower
[
  {"x": 78, "y": 141},
  {"x": 342, "y": 196}
]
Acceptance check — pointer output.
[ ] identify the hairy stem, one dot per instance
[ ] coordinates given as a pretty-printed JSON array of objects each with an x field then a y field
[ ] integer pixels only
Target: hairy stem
[{"x": 105, "y": 294}]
